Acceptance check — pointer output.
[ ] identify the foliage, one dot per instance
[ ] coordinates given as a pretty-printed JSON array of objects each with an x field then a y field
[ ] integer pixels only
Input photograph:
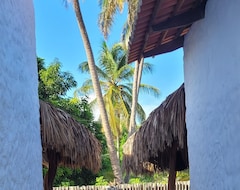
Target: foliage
[
  {"x": 53, "y": 83},
  {"x": 115, "y": 77},
  {"x": 106, "y": 170},
  {"x": 141, "y": 179},
  {"x": 91, "y": 63},
  {"x": 71, "y": 177},
  {"x": 108, "y": 13},
  {"x": 135, "y": 181},
  {"x": 79, "y": 109},
  {"x": 65, "y": 184},
  {"x": 112, "y": 72},
  {"x": 183, "y": 175},
  {"x": 159, "y": 177},
  {"x": 123, "y": 139},
  {"x": 101, "y": 181}
]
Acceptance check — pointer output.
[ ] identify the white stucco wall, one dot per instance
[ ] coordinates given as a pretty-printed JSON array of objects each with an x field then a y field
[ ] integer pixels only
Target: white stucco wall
[
  {"x": 20, "y": 155},
  {"x": 212, "y": 82}
]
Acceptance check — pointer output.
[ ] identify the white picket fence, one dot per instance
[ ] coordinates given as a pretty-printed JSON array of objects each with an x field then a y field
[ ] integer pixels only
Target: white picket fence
[{"x": 183, "y": 185}]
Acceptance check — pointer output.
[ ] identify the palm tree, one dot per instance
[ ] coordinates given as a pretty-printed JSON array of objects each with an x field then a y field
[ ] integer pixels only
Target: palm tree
[
  {"x": 96, "y": 85},
  {"x": 115, "y": 77},
  {"x": 135, "y": 91},
  {"x": 109, "y": 9},
  {"x": 106, "y": 18}
]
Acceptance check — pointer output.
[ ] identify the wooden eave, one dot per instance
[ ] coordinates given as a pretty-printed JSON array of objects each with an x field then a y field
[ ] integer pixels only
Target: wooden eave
[{"x": 161, "y": 25}]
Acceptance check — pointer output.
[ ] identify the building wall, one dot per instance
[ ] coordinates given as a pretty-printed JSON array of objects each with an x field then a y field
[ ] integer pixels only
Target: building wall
[
  {"x": 212, "y": 82},
  {"x": 20, "y": 155}
]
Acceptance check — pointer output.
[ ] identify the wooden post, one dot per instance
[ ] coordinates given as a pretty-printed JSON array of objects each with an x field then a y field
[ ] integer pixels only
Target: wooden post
[
  {"x": 172, "y": 167},
  {"x": 52, "y": 169}
]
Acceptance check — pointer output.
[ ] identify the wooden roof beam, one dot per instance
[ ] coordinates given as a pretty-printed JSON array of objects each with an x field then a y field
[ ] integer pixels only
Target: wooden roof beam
[
  {"x": 155, "y": 10},
  {"x": 165, "y": 48},
  {"x": 183, "y": 19}
]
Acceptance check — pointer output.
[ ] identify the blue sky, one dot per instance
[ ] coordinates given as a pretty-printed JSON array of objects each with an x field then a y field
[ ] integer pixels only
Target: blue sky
[{"x": 58, "y": 36}]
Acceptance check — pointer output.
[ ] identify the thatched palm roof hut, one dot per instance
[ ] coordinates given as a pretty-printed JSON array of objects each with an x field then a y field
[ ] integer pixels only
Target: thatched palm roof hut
[
  {"x": 161, "y": 140},
  {"x": 66, "y": 142}
]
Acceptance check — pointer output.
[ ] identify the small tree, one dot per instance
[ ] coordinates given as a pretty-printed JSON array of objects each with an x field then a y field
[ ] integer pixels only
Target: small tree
[{"x": 53, "y": 83}]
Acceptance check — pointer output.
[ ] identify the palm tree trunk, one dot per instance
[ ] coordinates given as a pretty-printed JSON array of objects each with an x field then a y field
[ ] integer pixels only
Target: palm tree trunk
[
  {"x": 131, "y": 128},
  {"x": 135, "y": 90},
  {"x": 118, "y": 155},
  {"x": 96, "y": 85},
  {"x": 140, "y": 74}
]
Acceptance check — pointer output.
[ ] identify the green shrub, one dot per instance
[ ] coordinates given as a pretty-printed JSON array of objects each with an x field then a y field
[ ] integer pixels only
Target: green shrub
[{"x": 100, "y": 181}]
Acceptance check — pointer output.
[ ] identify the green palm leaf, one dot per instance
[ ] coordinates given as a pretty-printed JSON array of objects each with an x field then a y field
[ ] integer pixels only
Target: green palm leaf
[
  {"x": 149, "y": 89},
  {"x": 115, "y": 79}
]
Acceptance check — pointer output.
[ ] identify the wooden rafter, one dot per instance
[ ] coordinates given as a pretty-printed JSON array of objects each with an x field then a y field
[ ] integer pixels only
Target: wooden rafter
[
  {"x": 183, "y": 19},
  {"x": 164, "y": 33},
  {"x": 149, "y": 28},
  {"x": 161, "y": 21},
  {"x": 164, "y": 48}
]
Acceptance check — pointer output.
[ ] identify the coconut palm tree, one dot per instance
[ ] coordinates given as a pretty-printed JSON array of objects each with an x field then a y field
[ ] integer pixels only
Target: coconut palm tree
[
  {"x": 97, "y": 89},
  {"x": 115, "y": 77},
  {"x": 106, "y": 18}
]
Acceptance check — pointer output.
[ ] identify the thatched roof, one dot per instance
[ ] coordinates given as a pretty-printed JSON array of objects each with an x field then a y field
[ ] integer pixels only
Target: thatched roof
[
  {"x": 153, "y": 141},
  {"x": 131, "y": 162},
  {"x": 75, "y": 145}
]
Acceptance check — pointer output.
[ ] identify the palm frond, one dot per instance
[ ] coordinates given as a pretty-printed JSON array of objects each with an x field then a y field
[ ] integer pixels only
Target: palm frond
[
  {"x": 108, "y": 11},
  {"x": 132, "y": 10},
  {"x": 119, "y": 54},
  {"x": 133, "y": 7},
  {"x": 106, "y": 61},
  {"x": 93, "y": 103},
  {"x": 125, "y": 73},
  {"x": 147, "y": 67},
  {"x": 111, "y": 112},
  {"x": 121, "y": 105},
  {"x": 149, "y": 89},
  {"x": 127, "y": 97},
  {"x": 127, "y": 87},
  {"x": 84, "y": 68},
  {"x": 86, "y": 88},
  {"x": 141, "y": 115}
]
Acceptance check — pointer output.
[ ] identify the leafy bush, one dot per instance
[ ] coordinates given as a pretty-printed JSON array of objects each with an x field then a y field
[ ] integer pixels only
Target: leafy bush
[
  {"x": 183, "y": 175},
  {"x": 65, "y": 184},
  {"x": 100, "y": 181},
  {"x": 135, "y": 180}
]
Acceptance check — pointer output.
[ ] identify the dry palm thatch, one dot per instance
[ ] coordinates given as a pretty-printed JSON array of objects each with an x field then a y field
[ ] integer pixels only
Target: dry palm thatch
[
  {"x": 133, "y": 164},
  {"x": 153, "y": 143},
  {"x": 66, "y": 142},
  {"x": 76, "y": 145}
]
